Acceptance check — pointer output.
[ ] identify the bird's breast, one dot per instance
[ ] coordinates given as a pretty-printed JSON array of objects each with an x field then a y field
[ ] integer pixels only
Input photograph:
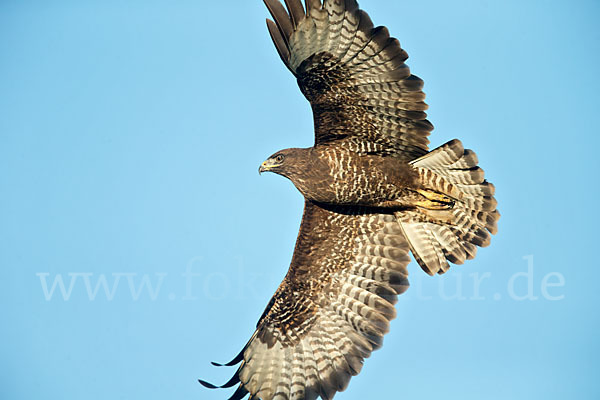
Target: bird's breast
[{"x": 339, "y": 177}]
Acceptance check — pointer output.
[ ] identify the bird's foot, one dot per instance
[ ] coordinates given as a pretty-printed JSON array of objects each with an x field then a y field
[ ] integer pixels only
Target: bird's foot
[{"x": 433, "y": 200}]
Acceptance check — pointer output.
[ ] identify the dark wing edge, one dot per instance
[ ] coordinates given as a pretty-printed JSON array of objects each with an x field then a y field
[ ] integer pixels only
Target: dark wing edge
[
  {"x": 354, "y": 76},
  {"x": 332, "y": 309}
]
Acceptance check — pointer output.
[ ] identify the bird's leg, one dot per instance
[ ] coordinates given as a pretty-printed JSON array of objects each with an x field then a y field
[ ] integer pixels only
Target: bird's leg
[
  {"x": 424, "y": 199},
  {"x": 433, "y": 200}
]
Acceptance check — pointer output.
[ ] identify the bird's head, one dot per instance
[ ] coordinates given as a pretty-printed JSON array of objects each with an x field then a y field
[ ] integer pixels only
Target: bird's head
[
  {"x": 286, "y": 162},
  {"x": 308, "y": 170}
]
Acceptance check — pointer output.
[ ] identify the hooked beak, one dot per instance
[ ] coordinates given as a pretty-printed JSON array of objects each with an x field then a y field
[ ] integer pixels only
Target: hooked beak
[
  {"x": 263, "y": 168},
  {"x": 266, "y": 166}
]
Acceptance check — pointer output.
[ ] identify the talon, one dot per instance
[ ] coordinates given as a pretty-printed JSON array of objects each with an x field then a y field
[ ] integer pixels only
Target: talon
[
  {"x": 435, "y": 196},
  {"x": 435, "y": 200}
]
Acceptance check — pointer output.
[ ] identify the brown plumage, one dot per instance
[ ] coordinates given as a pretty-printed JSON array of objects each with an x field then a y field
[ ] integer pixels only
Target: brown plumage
[{"x": 373, "y": 193}]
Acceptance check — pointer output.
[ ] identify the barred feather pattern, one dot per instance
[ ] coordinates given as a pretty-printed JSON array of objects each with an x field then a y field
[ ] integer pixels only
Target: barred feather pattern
[
  {"x": 366, "y": 188},
  {"x": 354, "y": 76},
  {"x": 453, "y": 235},
  {"x": 332, "y": 308}
]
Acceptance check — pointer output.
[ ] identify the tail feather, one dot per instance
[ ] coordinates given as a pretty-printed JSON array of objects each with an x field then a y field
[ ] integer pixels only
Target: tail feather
[
  {"x": 485, "y": 203},
  {"x": 484, "y": 189},
  {"x": 427, "y": 251},
  {"x": 453, "y": 235},
  {"x": 484, "y": 219},
  {"x": 468, "y": 160},
  {"x": 443, "y": 156},
  {"x": 453, "y": 250}
]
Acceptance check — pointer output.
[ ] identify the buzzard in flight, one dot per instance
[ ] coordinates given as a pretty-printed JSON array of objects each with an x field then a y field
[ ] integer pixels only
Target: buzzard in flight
[{"x": 373, "y": 193}]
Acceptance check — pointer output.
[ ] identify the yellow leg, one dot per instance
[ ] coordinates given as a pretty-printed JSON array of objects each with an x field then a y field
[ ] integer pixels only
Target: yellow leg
[{"x": 434, "y": 200}]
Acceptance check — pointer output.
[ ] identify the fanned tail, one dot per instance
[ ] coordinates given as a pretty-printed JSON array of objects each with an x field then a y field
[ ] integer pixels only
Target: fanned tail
[{"x": 437, "y": 236}]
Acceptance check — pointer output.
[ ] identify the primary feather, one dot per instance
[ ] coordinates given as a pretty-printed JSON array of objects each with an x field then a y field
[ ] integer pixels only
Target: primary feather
[{"x": 373, "y": 193}]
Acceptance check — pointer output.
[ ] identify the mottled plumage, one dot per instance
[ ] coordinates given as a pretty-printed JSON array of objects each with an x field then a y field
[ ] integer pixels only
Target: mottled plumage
[{"x": 373, "y": 193}]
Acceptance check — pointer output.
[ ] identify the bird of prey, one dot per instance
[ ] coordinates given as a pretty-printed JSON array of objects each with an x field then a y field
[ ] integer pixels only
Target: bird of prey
[{"x": 373, "y": 194}]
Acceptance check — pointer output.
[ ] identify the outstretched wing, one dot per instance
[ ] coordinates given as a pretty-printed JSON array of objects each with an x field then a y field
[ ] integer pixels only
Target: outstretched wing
[
  {"x": 354, "y": 75},
  {"x": 332, "y": 308}
]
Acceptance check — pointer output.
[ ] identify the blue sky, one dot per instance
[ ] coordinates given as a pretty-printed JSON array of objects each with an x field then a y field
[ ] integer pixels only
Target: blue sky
[{"x": 130, "y": 137}]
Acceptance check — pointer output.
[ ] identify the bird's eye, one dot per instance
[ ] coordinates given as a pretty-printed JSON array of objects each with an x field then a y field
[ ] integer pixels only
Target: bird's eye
[{"x": 279, "y": 158}]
